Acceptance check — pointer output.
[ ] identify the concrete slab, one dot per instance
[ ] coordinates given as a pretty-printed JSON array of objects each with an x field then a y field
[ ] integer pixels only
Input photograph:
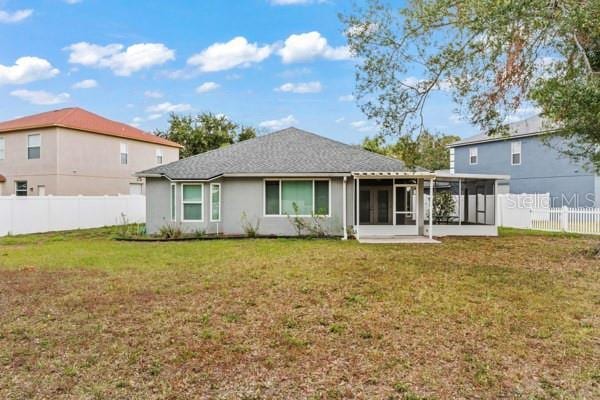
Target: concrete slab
[{"x": 397, "y": 240}]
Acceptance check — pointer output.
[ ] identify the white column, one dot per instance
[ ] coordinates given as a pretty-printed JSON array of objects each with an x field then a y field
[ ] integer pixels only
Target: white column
[
  {"x": 357, "y": 206},
  {"x": 394, "y": 201},
  {"x": 459, "y": 201},
  {"x": 344, "y": 222},
  {"x": 431, "y": 193}
]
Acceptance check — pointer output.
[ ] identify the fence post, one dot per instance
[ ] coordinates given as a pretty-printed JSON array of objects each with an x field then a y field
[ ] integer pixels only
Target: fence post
[
  {"x": 531, "y": 218},
  {"x": 564, "y": 219}
]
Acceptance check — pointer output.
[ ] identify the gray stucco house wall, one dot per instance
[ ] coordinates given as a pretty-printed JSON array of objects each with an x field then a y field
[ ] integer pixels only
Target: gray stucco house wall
[
  {"x": 238, "y": 196},
  {"x": 543, "y": 169}
]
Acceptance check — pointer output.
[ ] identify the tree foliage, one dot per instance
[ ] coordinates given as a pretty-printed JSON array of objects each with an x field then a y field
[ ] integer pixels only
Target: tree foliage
[
  {"x": 204, "y": 132},
  {"x": 494, "y": 56},
  {"x": 428, "y": 150}
]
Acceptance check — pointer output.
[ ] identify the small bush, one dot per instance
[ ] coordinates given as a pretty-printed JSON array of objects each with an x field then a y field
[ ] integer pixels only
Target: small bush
[
  {"x": 170, "y": 232},
  {"x": 443, "y": 207},
  {"x": 249, "y": 228}
]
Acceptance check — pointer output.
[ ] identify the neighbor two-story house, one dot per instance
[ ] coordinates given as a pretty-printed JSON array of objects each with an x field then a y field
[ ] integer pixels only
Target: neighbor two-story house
[
  {"x": 530, "y": 155},
  {"x": 75, "y": 152}
]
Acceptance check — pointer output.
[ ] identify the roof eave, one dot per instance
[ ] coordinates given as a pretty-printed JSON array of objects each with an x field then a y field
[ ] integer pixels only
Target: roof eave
[{"x": 498, "y": 139}]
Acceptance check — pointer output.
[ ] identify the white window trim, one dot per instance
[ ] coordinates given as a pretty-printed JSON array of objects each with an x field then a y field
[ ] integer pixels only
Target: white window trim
[
  {"x": 476, "y": 150},
  {"x": 211, "y": 202},
  {"x": 33, "y": 147},
  {"x": 26, "y": 188},
  {"x": 183, "y": 203},
  {"x": 264, "y": 205},
  {"x": 173, "y": 202},
  {"x": 513, "y": 152},
  {"x": 159, "y": 153},
  {"x": 121, "y": 147},
  {"x": 2, "y": 148}
]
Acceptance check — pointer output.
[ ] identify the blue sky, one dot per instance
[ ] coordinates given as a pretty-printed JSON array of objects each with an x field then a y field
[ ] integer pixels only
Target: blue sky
[{"x": 260, "y": 63}]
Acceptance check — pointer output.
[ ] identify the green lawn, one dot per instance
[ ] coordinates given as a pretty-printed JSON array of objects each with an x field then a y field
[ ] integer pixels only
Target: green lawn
[{"x": 84, "y": 316}]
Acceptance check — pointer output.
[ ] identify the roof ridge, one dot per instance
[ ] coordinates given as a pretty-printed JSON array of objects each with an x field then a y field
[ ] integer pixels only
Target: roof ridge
[{"x": 70, "y": 111}]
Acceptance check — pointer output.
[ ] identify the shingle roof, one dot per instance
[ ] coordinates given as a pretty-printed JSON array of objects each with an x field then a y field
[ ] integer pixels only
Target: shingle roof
[
  {"x": 532, "y": 126},
  {"x": 291, "y": 150},
  {"x": 82, "y": 120}
]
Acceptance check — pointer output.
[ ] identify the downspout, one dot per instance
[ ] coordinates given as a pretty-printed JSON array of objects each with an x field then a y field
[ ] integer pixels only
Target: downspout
[
  {"x": 357, "y": 207},
  {"x": 344, "y": 217}
]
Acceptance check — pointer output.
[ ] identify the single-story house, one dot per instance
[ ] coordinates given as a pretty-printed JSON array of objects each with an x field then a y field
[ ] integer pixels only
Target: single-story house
[{"x": 268, "y": 179}]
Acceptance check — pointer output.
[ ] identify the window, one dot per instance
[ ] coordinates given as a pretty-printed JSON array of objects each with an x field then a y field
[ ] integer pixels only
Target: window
[
  {"x": 452, "y": 162},
  {"x": 159, "y": 156},
  {"x": 192, "y": 196},
  {"x": 297, "y": 197},
  {"x": 272, "y": 199},
  {"x": 2, "y": 148},
  {"x": 34, "y": 144},
  {"x": 473, "y": 156},
  {"x": 515, "y": 153},
  {"x": 136, "y": 189},
  {"x": 173, "y": 202},
  {"x": 215, "y": 202},
  {"x": 21, "y": 188},
  {"x": 124, "y": 154}
]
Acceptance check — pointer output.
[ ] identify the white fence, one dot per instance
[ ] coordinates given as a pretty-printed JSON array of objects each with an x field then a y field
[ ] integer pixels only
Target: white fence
[
  {"x": 533, "y": 211},
  {"x": 575, "y": 220},
  {"x": 20, "y": 215}
]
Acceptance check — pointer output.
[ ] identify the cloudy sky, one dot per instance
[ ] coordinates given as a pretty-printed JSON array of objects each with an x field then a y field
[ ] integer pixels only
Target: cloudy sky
[{"x": 265, "y": 63}]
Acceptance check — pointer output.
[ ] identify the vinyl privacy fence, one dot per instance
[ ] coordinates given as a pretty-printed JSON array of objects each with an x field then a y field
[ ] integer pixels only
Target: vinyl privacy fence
[{"x": 21, "y": 215}]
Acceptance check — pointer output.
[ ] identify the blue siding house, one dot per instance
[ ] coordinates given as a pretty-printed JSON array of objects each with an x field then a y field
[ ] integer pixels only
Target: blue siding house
[{"x": 534, "y": 167}]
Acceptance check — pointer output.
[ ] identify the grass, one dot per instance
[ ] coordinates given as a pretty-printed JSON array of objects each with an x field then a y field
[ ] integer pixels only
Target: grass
[{"x": 83, "y": 316}]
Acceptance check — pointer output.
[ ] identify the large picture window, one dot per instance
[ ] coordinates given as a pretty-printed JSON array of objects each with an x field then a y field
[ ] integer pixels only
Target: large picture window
[
  {"x": 296, "y": 197},
  {"x": 192, "y": 196},
  {"x": 215, "y": 202}
]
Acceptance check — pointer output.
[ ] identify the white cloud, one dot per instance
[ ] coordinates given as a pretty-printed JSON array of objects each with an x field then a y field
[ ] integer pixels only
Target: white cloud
[
  {"x": 340, "y": 120},
  {"x": 293, "y": 2},
  {"x": 152, "y": 117},
  {"x": 362, "y": 126},
  {"x": 73, "y": 1},
  {"x": 443, "y": 85},
  {"x": 235, "y": 53},
  {"x": 168, "y": 107},
  {"x": 122, "y": 61},
  {"x": 207, "y": 87},
  {"x": 14, "y": 17},
  {"x": 40, "y": 97},
  {"x": 302, "y": 87},
  {"x": 522, "y": 113},
  {"x": 86, "y": 84},
  {"x": 311, "y": 45},
  {"x": 25, "y": 70},
  {"x": 455, "y": 118},
  {"x": 346, "y": 98},
  {"x": 277, "y": 124},
  {"x": 153, "y": 94}
]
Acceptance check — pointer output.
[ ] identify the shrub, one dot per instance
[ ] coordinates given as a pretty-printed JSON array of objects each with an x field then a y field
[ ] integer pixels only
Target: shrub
[
  {"x": 443, "y": 206},
  {"x": 170, "y": 232},
  {"x": 313, "y": 225},
  {"x": 249, "y": 228}
]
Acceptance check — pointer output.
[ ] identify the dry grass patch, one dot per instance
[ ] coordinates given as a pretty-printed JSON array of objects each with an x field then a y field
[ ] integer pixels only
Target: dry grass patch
[{"x": 82, "y": 316}]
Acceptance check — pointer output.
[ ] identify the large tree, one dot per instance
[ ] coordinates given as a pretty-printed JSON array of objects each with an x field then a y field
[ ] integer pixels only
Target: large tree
[
  {"x": 495, "y": 56},
  {"x": 427, "y": 150},
  {"x": 204, "y": 132}
]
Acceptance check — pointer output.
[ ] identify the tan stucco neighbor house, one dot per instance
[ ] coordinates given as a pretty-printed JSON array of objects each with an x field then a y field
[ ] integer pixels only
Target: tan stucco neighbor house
[{"x": 75, "y": 152}]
